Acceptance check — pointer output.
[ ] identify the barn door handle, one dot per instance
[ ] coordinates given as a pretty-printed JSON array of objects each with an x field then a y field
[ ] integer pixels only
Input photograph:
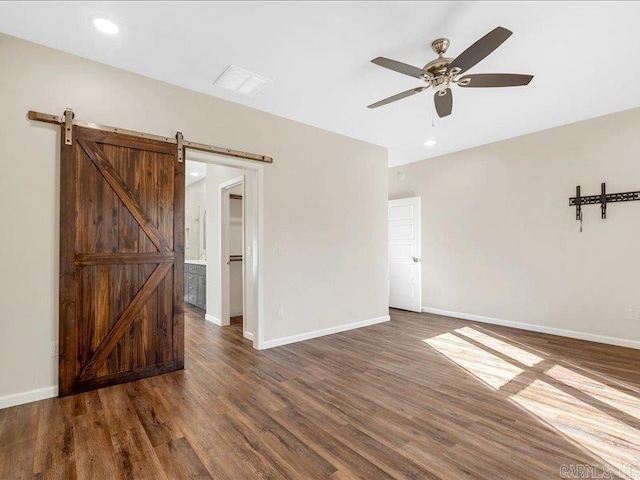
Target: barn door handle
[{"x": 416, "y": 259}]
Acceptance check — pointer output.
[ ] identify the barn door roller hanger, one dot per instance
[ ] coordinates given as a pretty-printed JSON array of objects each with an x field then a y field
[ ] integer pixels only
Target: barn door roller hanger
[
  {"x": 578, "y": 201},
  {"x": 67, "y": 119}
]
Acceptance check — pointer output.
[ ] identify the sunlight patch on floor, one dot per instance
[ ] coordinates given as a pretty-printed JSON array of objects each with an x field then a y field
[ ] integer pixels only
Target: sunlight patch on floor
[
  {"x": 606, "y": 394},
  {"x": 606, "y": 437},
  {"x": 612, "y": 440},
  {"x": 487, "y": 367},
  {"x": 504, "y": 348}
]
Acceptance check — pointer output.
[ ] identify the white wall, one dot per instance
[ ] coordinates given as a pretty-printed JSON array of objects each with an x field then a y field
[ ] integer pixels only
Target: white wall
[
  {"x": 499, "y": 239},
  {"x": 324, "y": 202}
]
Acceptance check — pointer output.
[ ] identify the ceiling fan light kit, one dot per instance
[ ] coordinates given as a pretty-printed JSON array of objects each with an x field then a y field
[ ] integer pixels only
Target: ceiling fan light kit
[{"x": 444, "y": 72}]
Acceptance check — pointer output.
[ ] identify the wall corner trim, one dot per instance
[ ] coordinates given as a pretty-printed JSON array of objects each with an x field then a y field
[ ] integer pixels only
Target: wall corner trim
[
  {"x": 591, "y": 337},
  {"x": 28, "y": 397},
  {"x": 321, "y": 333}
]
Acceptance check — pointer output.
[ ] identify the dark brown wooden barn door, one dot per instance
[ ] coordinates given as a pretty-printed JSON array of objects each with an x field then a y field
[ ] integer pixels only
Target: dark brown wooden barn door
[{"x": 121, "y": 264}]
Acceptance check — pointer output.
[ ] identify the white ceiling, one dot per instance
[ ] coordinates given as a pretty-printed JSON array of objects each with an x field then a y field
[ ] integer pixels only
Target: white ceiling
[{"x": 585, "y": 57}]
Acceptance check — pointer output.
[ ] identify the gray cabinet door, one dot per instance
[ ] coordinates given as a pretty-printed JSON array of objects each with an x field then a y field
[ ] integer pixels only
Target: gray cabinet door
[
  {"x": 195, "y": 285},
  {"x": 202, "y": 294},
  {"x": 193, "y": 289}
]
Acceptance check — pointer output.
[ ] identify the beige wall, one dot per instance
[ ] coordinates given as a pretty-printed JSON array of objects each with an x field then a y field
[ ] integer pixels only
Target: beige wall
[
  {"x": 324, "y": 201},
  {"x": 499, "y": 239}
]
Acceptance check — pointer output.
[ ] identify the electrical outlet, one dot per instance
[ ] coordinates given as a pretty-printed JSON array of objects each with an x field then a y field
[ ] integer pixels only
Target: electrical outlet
[
  {"x": 637, "y": 317},
  {"x": 629, "y": 314},
  {"x": 54, "y": 349},
  {"x": 281, "y": 312}
]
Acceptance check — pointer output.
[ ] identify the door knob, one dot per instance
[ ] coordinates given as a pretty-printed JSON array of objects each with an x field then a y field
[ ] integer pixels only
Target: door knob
[{"x": 416, "y": 259}]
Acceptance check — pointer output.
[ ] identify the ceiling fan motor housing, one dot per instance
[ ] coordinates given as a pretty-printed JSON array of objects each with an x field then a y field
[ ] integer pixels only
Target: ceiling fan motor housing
[{"x": 438, "y": 68}]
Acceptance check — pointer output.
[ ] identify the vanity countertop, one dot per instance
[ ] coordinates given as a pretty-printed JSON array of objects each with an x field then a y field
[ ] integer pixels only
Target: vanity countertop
[{"x": 196, "y": 262}]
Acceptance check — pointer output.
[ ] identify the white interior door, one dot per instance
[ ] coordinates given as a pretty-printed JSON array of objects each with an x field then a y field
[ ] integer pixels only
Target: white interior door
[{"x": 405, "y": 273}]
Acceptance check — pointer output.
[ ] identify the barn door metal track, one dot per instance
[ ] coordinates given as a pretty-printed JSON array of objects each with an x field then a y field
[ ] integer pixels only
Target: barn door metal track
[{"x": 67, "y": 119}]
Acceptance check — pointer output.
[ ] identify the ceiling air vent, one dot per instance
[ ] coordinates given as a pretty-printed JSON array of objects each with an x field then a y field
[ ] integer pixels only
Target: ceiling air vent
[{"x": 241, "y": 81}]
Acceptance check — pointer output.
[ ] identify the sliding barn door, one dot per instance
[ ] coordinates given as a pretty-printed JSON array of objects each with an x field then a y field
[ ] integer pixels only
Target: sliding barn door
[{"x": 121, "y": 263}]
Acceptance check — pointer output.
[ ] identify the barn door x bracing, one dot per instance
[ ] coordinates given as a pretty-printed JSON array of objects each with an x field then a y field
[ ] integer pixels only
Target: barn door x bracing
[{"x": 121, "y": 265}]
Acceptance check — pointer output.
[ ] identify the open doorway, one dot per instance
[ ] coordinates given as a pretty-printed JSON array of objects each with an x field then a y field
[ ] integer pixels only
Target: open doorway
[
  {"x": 195, "y": 236},
  {"x": 222, "y": 243},
  {"x": 232, "y": 247}
]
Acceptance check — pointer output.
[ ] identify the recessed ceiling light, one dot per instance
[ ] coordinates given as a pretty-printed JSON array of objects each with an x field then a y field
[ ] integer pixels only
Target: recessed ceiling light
[
  {"x": 105, "y": 25},
  {"x": 241, "y": 81},
  {"x": 194, "y": 174},
  {"x": 429, "y": 143}
]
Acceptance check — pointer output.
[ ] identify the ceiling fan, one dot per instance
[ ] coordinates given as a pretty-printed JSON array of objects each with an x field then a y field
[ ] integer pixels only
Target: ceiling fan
[{"x": 443, "y": 72}]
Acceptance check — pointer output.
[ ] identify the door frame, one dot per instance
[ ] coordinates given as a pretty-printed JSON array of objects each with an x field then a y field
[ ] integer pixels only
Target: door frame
[{"x": 253, "y": 251}]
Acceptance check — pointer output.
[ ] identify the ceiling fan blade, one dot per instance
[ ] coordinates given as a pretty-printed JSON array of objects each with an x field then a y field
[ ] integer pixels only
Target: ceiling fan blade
[
  {"x": 495, "y": 80},
  {"x": 400, "y": 67},
  {"x": 479, "y": 50},
  {"x": 398, "y": 96},
  {"x": 444, "y": 102}
]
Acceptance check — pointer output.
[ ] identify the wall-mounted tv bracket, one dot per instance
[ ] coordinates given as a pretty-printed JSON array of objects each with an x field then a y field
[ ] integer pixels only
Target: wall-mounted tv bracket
[{"x": 604, "y": 198}]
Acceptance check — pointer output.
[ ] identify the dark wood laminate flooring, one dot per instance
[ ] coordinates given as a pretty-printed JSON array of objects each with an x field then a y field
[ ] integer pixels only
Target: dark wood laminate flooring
[{"x": 420, "y": 397}]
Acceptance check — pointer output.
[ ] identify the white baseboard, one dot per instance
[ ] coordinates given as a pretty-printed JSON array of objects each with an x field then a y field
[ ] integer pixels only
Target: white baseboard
[
  {"x": 214, "y": 320},
  {"x": 620, "y": 342},
  {"x": 321, "y": 333},
  {"x": 27, "y": 397},
  {"x": 237, "y": 314},
  {"x": 248, "y": 335}
]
